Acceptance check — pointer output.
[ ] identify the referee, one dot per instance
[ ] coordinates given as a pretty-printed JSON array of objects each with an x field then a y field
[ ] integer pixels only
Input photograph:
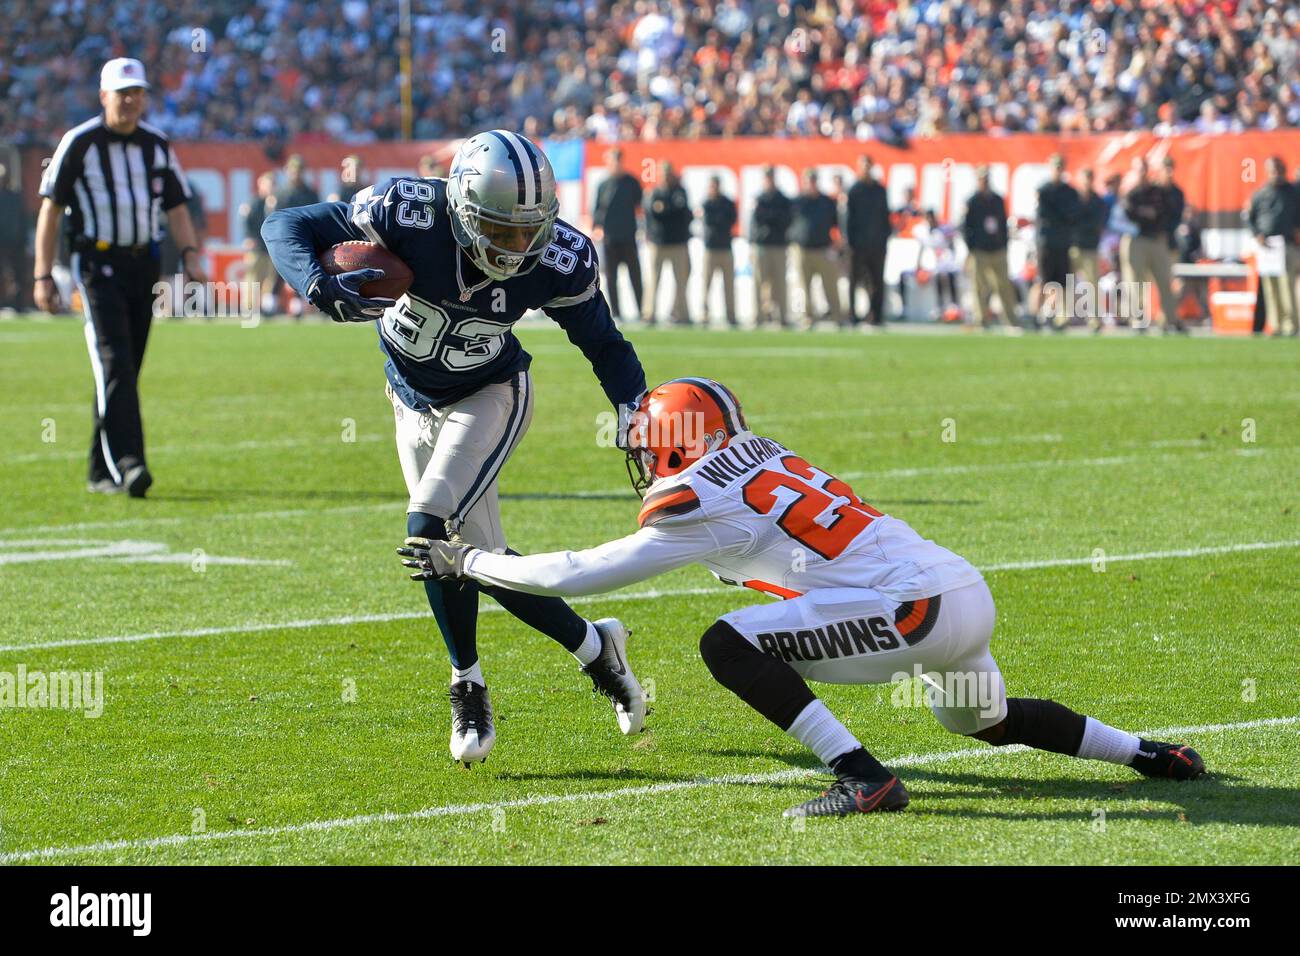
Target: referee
[{"x": 111, "y": 176}]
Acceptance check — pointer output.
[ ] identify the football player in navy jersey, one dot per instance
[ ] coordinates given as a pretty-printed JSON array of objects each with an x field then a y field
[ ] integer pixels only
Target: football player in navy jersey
[{"x": 485, "y": 246}]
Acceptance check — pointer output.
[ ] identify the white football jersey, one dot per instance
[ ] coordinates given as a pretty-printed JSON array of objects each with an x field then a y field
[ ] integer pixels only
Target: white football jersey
[
  {"x": 802, "y": 528},
  {"x": 756, "y": 514}
]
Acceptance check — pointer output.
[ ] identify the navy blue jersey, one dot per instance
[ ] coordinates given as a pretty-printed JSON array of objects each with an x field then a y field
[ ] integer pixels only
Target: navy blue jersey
[{"x": 450, "y": 334}]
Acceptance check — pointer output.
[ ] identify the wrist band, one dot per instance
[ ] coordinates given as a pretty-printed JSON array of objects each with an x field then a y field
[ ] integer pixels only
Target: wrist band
[
  {"x": 187, "y": 250},
  {"x": 45, "y": 278}
]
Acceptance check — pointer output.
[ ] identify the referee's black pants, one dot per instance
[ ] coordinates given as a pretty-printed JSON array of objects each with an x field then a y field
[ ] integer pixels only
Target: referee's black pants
[{"x": 117, "y": 293}]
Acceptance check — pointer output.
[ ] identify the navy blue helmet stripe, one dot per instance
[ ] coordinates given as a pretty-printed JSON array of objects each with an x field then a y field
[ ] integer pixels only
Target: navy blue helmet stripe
[
  {"x": 531, "y": 151},
  {"x": 519, "y": 166}
]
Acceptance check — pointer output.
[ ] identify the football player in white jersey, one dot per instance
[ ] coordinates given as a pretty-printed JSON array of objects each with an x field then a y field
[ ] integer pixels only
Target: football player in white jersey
[{"x": 866, "y": 598}]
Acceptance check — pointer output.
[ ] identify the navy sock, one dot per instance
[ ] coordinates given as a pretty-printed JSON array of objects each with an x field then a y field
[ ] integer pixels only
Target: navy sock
[
  {"x": 550, "y": 615},
  {"x": 454, "y": 603}
]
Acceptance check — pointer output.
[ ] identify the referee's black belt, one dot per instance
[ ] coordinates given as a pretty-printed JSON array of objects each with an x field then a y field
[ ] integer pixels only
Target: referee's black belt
[{"x": 104, "y": 247}]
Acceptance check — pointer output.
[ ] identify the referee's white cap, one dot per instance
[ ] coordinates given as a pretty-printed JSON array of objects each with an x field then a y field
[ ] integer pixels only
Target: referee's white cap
[{"x": 121, "y": 74}]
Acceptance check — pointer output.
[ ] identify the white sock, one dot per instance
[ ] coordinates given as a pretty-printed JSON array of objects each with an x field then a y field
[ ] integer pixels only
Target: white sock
[
  {"x": 822, "y": 733},
  {"x": 468, "y": 673},
  {"x": 589, "y": 649},
  {"x": 1101, "y": 742}
]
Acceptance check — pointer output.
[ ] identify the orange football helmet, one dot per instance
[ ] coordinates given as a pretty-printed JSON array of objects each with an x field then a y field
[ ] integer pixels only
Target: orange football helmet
[{"x": 676, "y": 424}]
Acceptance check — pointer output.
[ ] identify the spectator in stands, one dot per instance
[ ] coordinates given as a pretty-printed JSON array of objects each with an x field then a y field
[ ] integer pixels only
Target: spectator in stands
[
  {"x": 984, "y": 228},
  {"x": 1084, "y": 255},
  {"x": 1058, "y": 216},
  {"x": 866, "y": 233},
  {"x": 1145, "y": 256},
  {"x": 811, "y": 230},
  {"x": 668, "y": 229},
  {"x": 1274, "y": 216},
  {"x": 618, "y": 200},
  {"x": 769, "y": 228},
  {"x": 295, "y": 191},
  {"x": 642, "y": 69},
  {"x": 718, "y": 214},
  {"x": 258, "y": 267}
]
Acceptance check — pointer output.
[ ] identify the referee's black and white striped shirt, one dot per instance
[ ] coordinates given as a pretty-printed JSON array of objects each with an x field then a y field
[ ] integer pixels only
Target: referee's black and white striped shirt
[{"x": 115, "y": 187}]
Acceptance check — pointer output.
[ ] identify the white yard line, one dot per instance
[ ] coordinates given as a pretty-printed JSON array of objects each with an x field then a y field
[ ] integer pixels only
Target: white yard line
[
  {"x": 31, "y": 458},
  {"x": 341, "y": 621},
  {"x": 540, "y": 800},
  {"x": 1143, "y": 556},
  {"x": 350, "y": 619},
  {"x": 622, "y": 489}
]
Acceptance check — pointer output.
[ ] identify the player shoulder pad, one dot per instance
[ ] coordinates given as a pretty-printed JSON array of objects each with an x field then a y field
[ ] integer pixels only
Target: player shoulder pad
[
  {"x": 675, "y": 503},
  {"x": 571, "y": 258},
  {"x": 381, "y": 210}
]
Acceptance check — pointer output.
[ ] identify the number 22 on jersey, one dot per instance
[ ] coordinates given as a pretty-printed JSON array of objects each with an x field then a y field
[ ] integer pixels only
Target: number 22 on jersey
[{"x": 808, "y": 492}]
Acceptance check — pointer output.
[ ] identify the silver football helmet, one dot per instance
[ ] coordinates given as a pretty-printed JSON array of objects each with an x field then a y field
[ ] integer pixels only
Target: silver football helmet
[{"x": 501, "y": 196}]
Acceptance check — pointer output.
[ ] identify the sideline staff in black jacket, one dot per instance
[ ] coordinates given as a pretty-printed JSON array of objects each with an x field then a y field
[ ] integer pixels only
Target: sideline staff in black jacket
[{"x": 866, "y": 231}]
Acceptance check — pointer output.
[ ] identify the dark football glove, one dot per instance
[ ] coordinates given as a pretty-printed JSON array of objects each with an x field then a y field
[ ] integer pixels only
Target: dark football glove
[
  {"x": 435, "y": 559},
  {"x": 340, "y": 296}
]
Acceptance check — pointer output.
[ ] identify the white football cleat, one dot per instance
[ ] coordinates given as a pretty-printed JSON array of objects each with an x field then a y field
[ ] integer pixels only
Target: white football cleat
[
  {"x": 612, "y": 676},
  {"x": 472, "y": 732}
]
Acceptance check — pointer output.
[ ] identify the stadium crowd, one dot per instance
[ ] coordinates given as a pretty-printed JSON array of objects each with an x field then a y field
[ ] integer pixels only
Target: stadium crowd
[{"x": 888, "y": 70}]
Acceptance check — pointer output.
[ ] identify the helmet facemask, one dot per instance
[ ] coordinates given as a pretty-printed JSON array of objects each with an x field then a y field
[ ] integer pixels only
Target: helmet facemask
[{"x": 504, "y": 245}]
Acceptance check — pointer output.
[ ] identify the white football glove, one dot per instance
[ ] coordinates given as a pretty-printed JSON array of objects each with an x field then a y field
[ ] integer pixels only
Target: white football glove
[{"x": 435, "y": 559}]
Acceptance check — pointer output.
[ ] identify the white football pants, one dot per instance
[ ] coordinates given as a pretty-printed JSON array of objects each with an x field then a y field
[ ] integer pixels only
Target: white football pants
[
  {"x": 859, "y": 636},
  {"x": 451, "y": 457}
]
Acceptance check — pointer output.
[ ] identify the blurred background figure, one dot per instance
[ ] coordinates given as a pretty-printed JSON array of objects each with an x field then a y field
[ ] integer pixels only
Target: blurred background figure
[
  {"x": 352, "y": 179},
  {"x": 169, "y": 254},
  {"x": 618, "y": 202},
  {"x": 428, "y": 167},
  {"x": 905, "y": 220},
  {"x": 668, "y": 230},
  {"x": 1085, "y": 253},
  {"x": 811, "y": 230},
  {"x": 1188, "y": 250},
  {"x": 1274, "y": 217},
  {"x": 13, "y": 245},
  {"x": 984, "y": 228},
  {"x": 295, "y": 190},
  {"x": 1058, "y": 215},
  {"x": 769, "y": 229},
  {"x": 938, "y": 263},
  {"x": 866, "y": 234},
  {"x": 718, "y": 214},
  {"x": 258, "y": 267},
  {"x": 1144, "y": 257}
]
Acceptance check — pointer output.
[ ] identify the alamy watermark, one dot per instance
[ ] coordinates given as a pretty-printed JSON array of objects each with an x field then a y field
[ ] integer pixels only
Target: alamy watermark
[
  {"x": 973, "y": 690},
  {"x": 1082, "y": 299},
  {"x": 22, "y": 689}
]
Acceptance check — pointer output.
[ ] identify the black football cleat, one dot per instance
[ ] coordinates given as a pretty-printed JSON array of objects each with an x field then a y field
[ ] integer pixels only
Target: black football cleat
[
  {"x": 1170, "y": 761},
  {"x": 612, "y": 676},
  {"x": 472, "y": 731},
  {"x": 850, "y": 795},
  {"x": 136, "y": 481}
]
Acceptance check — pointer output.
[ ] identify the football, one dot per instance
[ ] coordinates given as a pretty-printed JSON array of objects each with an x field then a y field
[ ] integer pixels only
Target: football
[{"x": 349, "y": 256}]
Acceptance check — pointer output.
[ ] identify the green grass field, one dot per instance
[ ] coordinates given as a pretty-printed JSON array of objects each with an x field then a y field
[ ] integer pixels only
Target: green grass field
[{"x": 294, "y": 709}]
